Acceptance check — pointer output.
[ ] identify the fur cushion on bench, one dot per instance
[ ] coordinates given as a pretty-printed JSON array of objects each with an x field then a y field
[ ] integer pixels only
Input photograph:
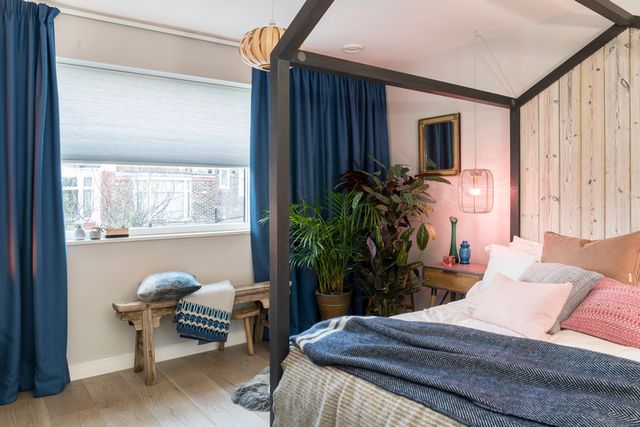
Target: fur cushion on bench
[
  {"x": 254, "y": 395},
  {"x": 167, "y": 286}
]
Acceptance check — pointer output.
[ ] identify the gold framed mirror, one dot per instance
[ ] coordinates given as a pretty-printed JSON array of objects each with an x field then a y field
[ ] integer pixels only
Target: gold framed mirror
[{"x": 439, "y": 145}]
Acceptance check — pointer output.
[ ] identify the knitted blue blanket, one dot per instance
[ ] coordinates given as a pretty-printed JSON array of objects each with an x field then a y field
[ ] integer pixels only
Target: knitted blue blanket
[{"x": 479, "y": 378}]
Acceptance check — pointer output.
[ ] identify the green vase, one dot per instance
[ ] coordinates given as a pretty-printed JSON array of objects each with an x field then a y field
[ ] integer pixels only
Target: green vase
[{"x": 454, "y": 250}]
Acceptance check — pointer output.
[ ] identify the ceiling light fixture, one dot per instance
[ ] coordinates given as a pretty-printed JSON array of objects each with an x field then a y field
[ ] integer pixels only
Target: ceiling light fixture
[
  {"x": 352, "y": 48},
  {"x": 475, "y": 188},
  {"x": 256, "y": 45}
]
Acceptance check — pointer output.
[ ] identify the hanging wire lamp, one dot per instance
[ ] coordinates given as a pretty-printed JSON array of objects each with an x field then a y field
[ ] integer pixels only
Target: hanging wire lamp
[{"x": 475, "y": 187}]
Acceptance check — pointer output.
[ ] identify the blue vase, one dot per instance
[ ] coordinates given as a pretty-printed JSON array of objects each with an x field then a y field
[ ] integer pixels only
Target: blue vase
[{"x": 465, "y": 252}]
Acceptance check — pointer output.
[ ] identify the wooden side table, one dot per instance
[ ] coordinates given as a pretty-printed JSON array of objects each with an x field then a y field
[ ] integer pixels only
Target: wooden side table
[{"x": 457, "y": 279}]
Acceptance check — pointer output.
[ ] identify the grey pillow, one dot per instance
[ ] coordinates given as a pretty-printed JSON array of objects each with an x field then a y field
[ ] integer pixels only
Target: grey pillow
[
  {"x": 582, "y": 280},
  {"x": 166, "y": 286}
]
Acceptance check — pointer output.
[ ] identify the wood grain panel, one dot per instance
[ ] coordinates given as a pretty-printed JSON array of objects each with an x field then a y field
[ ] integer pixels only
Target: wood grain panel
[
  {"x": 596, "y": 175},
  {"x": 570, "y": 154},
  {"x": 529, "y": 170},
  {"x": 593, "y": 164},
  {"x": 635, "y": 128},
  {"x": 548, "y": 155},
  {"x": 617, "y": 136}
]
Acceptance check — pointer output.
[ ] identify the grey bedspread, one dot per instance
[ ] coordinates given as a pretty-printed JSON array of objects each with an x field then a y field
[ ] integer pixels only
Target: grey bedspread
[{"x": 479, "y": 378}]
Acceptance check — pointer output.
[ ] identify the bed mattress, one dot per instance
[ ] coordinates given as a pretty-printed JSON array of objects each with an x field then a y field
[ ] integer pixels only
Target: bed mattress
[{"x": 310, "y": 395}]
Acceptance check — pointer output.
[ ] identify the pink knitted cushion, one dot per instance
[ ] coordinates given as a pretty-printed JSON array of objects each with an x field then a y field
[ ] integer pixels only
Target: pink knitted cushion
[{"x": 611, "y": 311}]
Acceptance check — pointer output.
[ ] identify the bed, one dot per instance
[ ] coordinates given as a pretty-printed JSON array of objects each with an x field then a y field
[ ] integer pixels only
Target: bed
[{"x": 311, "y": 395}]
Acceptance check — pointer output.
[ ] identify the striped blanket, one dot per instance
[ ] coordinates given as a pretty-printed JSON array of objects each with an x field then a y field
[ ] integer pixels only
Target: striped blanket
[
  {"x": 205, "y": 315},
  {"x": 479, "y": 378}
]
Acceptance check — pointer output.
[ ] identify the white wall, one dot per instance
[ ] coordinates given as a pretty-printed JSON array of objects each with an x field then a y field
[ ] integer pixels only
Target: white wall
[
  {"x": 92, "y": 40},
  {"x": 406, "y": 107},
  {"x": 104, "y": 272}
]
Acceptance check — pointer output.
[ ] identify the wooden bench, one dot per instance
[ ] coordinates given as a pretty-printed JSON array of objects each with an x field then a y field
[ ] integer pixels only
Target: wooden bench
[{"x": 144, "y": 317}]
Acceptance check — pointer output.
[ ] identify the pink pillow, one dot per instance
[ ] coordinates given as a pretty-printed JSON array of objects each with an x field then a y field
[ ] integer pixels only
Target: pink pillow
[
  {"x": 529, "y": 309},
  {"x": 611, "y": 311}
]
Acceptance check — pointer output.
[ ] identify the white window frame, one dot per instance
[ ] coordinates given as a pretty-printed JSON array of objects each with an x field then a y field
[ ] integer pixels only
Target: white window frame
[
  {"x": 224, "y": 179},
  {"x": 181, "y": 229}
]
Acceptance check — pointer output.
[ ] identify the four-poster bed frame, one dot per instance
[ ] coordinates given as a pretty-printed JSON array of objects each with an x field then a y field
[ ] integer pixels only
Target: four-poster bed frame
[{"x": 287, "y": 54}]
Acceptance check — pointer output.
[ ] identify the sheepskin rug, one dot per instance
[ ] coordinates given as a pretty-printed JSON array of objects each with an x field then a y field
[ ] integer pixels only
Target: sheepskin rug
[{"x": 254, "y": 394}]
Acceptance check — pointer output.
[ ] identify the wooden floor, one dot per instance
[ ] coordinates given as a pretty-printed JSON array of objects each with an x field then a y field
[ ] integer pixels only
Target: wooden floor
[{"x": 191, "y": 391}]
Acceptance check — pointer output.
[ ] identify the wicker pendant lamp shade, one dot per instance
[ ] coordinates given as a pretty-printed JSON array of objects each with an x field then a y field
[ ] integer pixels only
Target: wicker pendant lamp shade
[
  {"x": 257, "y": 44},
  {"x": 475, "y": 191}
]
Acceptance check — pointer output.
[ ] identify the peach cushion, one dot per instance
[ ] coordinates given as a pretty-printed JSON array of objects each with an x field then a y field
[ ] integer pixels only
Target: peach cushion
[
  {"x": 611, "y": 311},
  {"x": 617, "y": 257},
  {"x": 529, "y": 309}
]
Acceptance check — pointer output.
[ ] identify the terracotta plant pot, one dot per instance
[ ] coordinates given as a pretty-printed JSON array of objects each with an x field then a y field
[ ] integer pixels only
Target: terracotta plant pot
[{"x": 333, "y": 305}]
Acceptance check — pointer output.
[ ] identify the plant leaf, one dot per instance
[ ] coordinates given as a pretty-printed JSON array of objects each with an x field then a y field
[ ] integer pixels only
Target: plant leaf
[{"x": 422, "y": 238}]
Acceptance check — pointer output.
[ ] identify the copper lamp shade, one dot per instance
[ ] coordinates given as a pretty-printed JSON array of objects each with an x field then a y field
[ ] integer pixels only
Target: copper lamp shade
[
  {"x": 257, "y": 44},
  {"x": 475, "y": 191}
]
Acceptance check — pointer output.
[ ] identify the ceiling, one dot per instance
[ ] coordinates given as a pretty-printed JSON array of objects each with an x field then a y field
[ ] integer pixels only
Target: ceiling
[{"x": 395, "y": 33}]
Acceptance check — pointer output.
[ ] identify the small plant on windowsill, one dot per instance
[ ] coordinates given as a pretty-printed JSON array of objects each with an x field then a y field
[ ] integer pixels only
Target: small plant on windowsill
[
  {"x": 96, "y": 232},
  {"x": 78, "y": 233}
]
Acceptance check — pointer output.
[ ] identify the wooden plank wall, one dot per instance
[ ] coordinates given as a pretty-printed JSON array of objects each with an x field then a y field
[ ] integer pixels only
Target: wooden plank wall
[{"x": 580, "y": 148}]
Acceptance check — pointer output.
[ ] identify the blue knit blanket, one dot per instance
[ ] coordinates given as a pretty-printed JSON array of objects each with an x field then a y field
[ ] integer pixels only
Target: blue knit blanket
[{"x": 480, "y": 378}]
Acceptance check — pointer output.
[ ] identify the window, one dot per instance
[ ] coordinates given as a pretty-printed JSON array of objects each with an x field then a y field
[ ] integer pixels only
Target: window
[
  {"x": 223, "y": 178},
  {"x": 156, "y": 153}
]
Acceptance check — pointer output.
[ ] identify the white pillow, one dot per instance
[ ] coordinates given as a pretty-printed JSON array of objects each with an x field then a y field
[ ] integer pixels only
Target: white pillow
[
  {"x": 529, "y": 309},
  {"x": 529, "y": 246},
  {"x": 511, "y": 262}
]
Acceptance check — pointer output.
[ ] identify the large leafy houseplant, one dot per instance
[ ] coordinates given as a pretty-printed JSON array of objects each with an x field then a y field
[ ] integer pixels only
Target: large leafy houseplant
[
  {"x": 330, "y": 239},
  {"x": 400, "y": 201}
]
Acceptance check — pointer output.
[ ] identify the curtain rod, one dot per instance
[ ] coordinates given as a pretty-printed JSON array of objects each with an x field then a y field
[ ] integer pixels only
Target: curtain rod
[{"x": 165, "y": 29}]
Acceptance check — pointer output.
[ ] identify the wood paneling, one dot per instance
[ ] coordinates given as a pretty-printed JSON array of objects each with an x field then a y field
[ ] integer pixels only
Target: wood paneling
[
  {"x": 617, "y": 142},
  {"x": 570, "y": 153},
  {"x": 634, "y": 84},
  {"x": 529, "y": 171},
  {"x": 580, "y": 148},
  {"x": 549, "y": 158},
  {"x": 593, "y": 164}
]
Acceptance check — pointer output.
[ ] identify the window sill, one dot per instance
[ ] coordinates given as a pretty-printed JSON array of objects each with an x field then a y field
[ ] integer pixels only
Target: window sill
[{"x": 159, "y": 237}]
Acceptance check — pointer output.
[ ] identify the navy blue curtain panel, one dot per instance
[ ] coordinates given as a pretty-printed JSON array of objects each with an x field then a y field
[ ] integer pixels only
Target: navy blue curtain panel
[
  {"x": 337, "y": 124},
  {"x": 33, "y": 277}
]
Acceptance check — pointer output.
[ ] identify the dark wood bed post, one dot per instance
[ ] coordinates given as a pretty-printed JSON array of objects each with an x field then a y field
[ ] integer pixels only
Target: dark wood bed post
[
  {"x": 279, "y": 185},
  {"x": 286, "y": 53},
  {"x": 279, "y": 219},
  {"x": 514, "y": 149}
]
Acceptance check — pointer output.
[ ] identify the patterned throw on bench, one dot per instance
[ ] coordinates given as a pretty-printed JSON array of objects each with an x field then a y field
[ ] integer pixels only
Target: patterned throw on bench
[{"x": 205, "y": 314}]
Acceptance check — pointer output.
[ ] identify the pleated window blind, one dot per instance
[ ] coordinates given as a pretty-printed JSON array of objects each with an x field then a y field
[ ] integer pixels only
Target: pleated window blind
[{"x": 109, "y": 116}]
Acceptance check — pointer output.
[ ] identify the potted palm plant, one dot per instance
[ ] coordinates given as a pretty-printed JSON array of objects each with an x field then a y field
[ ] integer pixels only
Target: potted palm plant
[
  {"x": 330, "y": 240},
  {"x": 401, "y": 203}
]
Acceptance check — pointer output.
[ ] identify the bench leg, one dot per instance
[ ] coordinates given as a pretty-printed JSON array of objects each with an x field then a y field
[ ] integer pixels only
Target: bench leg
[
  {"x": 148, "y": 348},
  {"x": 260, "y": 327},
  {"x": 221, "y": 346},
  {"x": 249, "y": 333},
  {"x": 138, "y": 363},
  {"x": 261, "y": 324}
]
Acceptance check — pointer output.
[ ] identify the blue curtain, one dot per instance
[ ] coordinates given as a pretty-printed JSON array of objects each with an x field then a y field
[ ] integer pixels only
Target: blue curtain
[
  {"x": 33, "y": 277},
  {"x": 337, "y": 124}
]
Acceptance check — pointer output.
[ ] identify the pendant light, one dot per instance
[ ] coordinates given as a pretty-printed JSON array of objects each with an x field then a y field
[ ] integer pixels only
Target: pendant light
[
  {"x": 475, "y": 187},
  {"x": 257, "y": 44}
]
